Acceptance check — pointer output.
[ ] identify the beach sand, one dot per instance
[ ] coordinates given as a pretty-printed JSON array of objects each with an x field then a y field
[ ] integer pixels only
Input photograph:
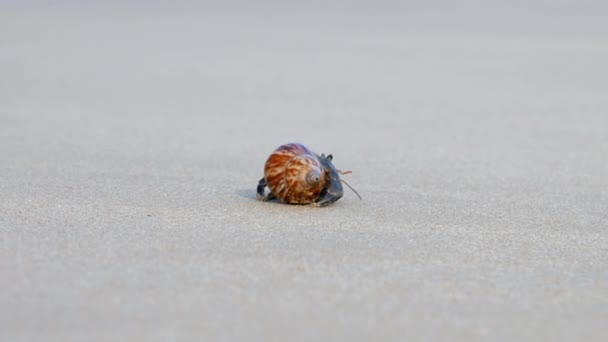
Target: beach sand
[{"x": 132, "y": 136}]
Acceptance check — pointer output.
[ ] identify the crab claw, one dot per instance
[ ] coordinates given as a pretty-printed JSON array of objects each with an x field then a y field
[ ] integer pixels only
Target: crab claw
[{"x": 334, "y": 190}]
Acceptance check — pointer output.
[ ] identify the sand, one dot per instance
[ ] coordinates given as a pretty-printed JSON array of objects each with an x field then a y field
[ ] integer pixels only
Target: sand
[{"x": 132, "y": 137}]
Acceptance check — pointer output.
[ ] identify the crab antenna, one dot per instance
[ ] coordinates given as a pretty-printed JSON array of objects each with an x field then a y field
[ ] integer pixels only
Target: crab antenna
[
  {"x": 344, "y": 172},
  {"x": 350, "y": 187}
]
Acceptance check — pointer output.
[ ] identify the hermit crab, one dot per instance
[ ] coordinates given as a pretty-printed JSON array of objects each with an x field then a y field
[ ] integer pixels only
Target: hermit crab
[{"x": 296, "y": 175}]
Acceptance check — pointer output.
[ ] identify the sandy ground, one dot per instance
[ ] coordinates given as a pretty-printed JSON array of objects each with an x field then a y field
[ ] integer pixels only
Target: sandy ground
[{"x": 132, "y": 137}]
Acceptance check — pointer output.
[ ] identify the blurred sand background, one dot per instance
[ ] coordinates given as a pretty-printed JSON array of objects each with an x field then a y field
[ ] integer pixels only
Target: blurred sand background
[{"x": 132, "y": 136}]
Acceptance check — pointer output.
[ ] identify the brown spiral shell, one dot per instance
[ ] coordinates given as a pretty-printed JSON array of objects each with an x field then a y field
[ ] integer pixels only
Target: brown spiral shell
[{"x": 295, "y": 174}]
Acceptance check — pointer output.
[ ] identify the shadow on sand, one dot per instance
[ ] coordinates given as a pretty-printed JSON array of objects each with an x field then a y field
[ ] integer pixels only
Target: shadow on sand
[{"x": 249, "y": 194}]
